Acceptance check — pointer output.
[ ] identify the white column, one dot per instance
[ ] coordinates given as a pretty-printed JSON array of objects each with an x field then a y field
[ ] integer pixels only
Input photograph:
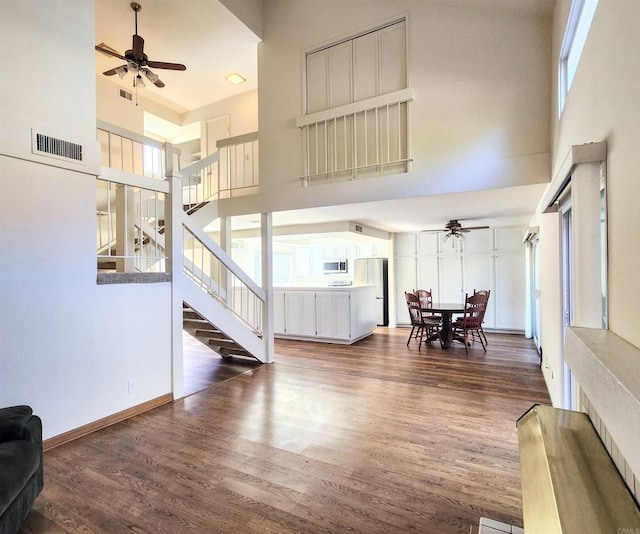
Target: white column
[
  {"x": 587, "y": 254},
  {"x": 266, "y": 234},
  {"x": 174, "y": 237}
]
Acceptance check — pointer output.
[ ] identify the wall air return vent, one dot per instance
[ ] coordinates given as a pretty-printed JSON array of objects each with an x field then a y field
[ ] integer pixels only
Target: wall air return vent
[
  {"x": 58, "y": 148},
  {"x": 358, "y": 228},
  {"x": 126, "y": 94}
]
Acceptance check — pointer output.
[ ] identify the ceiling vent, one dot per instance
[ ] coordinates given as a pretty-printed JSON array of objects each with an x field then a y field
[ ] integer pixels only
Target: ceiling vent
[
  {"x": 57, "y": 148},
  {"x": 126, "y": 94}
]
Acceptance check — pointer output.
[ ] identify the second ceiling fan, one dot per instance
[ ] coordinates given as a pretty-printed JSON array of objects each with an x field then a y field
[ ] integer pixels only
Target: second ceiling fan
[
  {"x": 136, "y": 60},
  {"x": 454, "y": 229}
]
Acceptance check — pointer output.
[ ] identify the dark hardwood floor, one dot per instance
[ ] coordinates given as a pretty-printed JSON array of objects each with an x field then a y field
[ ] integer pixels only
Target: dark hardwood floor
[
  {"x": 373, "y": 437},
  {"x": 204, "y": 367}
]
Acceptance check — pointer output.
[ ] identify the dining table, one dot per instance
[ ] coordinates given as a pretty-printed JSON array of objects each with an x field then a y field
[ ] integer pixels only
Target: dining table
[{"x": 446, "y": 310}]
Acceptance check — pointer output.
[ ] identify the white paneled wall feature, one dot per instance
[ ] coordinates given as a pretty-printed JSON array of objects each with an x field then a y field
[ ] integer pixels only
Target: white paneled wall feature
[
  {"x": 356, "y": 69},
  {"x": 487, "y": 259},
  {"x": 406, "y": 244},
  {"x": 477, "y": 275},
  {"x": 356, "y": 117}
]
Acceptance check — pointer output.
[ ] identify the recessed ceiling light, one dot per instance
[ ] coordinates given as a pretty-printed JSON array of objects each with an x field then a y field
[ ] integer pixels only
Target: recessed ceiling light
[{"x": 235, "y": 78}]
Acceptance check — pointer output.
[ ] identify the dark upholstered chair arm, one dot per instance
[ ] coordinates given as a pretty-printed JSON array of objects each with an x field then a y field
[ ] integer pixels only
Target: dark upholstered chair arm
[{"x": 14, "y": 424}]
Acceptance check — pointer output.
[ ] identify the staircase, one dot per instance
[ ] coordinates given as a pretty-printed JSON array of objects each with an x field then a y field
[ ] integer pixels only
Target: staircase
[
  {"x": 222, "y": 306},
  {"x": 212, "y": 337}
]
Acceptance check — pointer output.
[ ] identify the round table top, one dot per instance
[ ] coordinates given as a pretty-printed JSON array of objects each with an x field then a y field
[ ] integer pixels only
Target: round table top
[{"x": 443, "y": 307}]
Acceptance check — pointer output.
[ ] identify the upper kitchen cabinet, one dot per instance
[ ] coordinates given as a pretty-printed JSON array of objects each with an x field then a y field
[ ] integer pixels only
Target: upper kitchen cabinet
[{"x": 487, "y": 259}]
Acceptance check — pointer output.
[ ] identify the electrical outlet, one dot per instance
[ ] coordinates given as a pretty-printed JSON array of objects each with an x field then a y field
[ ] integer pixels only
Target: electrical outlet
[{"x": 133, "y": 385}]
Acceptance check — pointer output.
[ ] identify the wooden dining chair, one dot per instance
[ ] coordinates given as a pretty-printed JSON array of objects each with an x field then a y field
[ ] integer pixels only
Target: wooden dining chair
[
  {"x": 425, "y": 297},
  {"x": 421, "y": 328},
  {"x": 470, "y": 324},
  {"x": 485, "y": 293}
]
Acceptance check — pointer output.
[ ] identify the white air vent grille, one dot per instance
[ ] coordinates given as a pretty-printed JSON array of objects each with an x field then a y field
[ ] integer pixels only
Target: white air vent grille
[
  {"x": 45, "y": 144},
  {"x": 126, "y": 94},
  {"x": 358, "y": 228}
]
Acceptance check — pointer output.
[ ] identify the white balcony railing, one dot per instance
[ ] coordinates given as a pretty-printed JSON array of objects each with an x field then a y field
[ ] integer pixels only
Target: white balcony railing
[{"x": 366, "y": 138}]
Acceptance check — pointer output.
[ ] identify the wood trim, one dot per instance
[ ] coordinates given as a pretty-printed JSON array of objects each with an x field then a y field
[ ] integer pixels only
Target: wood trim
[{"x": 76, "y": 433}]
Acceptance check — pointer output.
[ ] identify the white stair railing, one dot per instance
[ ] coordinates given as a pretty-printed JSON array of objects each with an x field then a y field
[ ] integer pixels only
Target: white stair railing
[{"x": 216, "y": 273}]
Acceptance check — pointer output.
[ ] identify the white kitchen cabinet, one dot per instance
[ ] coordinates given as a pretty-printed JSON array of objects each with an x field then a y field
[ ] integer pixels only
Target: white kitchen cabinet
[
  {"x": 478, "y": 274},
  {"x": 427, "y": 275},
  {"x": 478, "y": 241},
  {"x": 300, "y": 313},
  {"x": 450, "y": 278},
  {"x": 333, "y": 314},
  {"x": 278, "y": 312},
  {"x": 406, "y": 244},
  {"x": 509, "y": 294},
  {"x": 406, "y": 280},
  {"x": 330, "y": 315}
]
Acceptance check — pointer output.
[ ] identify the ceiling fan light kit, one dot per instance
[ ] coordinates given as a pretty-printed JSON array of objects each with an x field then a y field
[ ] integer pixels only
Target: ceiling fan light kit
[
  {"x": 454, "y": 229},
  {"x": 136, "y": 60}
]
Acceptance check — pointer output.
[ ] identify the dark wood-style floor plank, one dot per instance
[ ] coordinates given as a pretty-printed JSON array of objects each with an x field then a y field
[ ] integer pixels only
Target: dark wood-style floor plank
[{"x": 373, "y": 437}]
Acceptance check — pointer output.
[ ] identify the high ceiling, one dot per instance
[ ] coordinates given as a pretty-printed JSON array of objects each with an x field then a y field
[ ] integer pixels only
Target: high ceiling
[
  {"x": 203, "y": 35},
  {"x": 213, "y": 43}
]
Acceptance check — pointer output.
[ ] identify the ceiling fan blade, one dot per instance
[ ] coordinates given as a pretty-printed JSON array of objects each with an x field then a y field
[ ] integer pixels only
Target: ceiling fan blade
[
  {"x": 163, "y": 65},
  {"x": 107, "y": 51},
  {"x": 110, "y": 72},
  {"x": 467, "y": 228},
  {"x": 138, "y": 47}
]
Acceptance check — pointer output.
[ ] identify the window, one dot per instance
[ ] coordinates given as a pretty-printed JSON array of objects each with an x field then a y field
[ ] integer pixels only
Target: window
[
  {"x": 357, "y": 96},
  {"x": 580, "y": 17}
]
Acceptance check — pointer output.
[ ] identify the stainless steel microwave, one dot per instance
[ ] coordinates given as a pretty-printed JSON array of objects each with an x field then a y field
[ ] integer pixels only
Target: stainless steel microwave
[{"x": 335, "y": 266}]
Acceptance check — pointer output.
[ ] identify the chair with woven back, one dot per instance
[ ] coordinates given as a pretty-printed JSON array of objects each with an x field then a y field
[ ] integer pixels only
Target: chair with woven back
[
  {"x": 471, "y": 322},
  {"x": 420, "y": 326}
]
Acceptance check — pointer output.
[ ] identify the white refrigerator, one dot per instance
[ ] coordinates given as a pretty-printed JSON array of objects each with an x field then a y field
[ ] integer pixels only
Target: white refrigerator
[{"x": 375, "y": 271}]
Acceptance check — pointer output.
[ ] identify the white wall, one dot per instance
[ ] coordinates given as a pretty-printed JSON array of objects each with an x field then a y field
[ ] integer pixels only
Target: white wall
[
  {"x": 69, "y": 347},
  {"x": 602, "y": 105},
  {"x": 481, "y": 98}
]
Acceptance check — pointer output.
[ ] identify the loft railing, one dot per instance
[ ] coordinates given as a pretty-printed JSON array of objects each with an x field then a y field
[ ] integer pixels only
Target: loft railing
[
  {"x": 238, "y": 165},
  {"x": 366, "y": 138},
  {"x": 130, "y": 227},
  {"x": 230, "y": 172},
  {"x": 217, "y": 274},
  {"x": 130, "y": 152}
]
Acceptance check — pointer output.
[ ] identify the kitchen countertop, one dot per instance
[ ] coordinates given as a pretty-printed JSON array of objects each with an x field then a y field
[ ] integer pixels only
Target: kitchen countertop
[{"x": 320, "y": 288}]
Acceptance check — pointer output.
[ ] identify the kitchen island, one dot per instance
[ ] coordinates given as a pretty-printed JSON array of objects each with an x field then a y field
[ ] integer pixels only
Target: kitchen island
[{"x": 324, "y": 314}]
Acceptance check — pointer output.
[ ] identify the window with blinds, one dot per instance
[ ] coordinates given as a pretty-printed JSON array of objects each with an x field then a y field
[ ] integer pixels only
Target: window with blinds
[{"x": 357, "y": 107}]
